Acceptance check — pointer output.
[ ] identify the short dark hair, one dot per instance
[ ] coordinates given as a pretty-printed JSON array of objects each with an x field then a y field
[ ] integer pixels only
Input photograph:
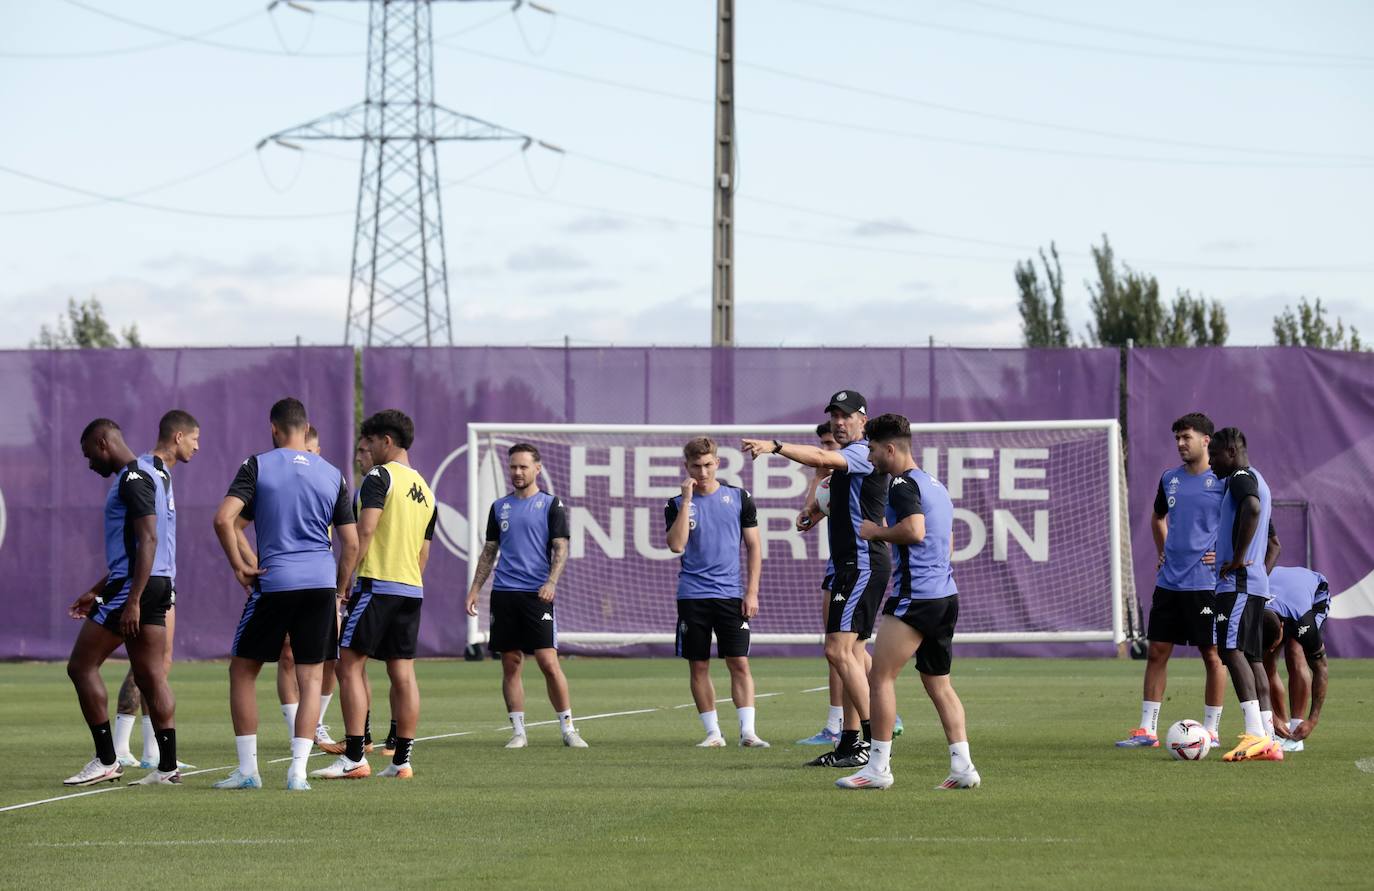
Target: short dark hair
[
  {"x": 393, "y": 423},
  {"x": 312, "y": 433},
  {"x": 1228, "y": 438},
  {"x": 1196, "y": 421},
  {"x": 289, "y": 414},
  {"x": 524, "y": 447},
  {"x": 99, "y": 425},
  {"x": 888, "y": 427},
  {"x": 174, "y": 422},
  {"x": 1273, "y": 628},
  {"x": 824, "y": 429},
  {"x": 695, "y": 448}
]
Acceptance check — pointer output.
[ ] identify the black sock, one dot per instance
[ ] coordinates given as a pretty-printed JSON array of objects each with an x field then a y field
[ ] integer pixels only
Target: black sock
[
  {"x": 353, "y": 748},
  {"x": 391, "y": 736},
  {"x": 166, "y": 749},
  {"x": 867, "y": 731},
  {"x": 367, "y": 729},
  {"x": 104, "y": 743},
  {"x": 849, "y": 741},
  {"x": 402, "y": 756}
]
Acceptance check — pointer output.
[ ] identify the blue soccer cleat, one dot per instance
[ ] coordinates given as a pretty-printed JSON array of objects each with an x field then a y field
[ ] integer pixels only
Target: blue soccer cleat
[
  {"x": 897, "y": 727},
  {"x": 1140, "y": 738},
  {"x": 297, "y": 784},
  {"x": 237, "y": 780},
  {"x": 824, "y": 738}
]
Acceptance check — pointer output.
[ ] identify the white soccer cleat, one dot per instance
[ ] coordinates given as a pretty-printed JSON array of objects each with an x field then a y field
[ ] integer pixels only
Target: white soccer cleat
[
  {"x": 95, "y": 772},
  {"x": 322, "y": 737},
  {"x": 297, "y": 784},
  {"x": 152, "y": 765},
  {"x": 399, "y": 771},
  {"x": 1292, "y": 745},
  {"x": 343, "y": 769},
  {"x": 127, "y": 759},
  {"x": 868, "y": 778},
  {"x": 240, "y": 780},
  {"x": 753, "y": 742},
  {"x": 159, "y": 778},
  {"x": 966, "y": 780},
  {"x": 518, "y": 741},
  {"x": 714, "y": 741},
  {"x": 573, "y": 740}
]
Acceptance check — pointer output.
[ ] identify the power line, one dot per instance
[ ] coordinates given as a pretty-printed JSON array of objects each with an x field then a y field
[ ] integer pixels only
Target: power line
[
  {"x": 129, "y": 50},
  {"x": 167, "y": 184},
  {"x": 1022, "y": 39}
]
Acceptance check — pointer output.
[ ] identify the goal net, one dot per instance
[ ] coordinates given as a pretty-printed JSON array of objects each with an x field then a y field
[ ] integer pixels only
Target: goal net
[{"x": 1039, "y": 541}]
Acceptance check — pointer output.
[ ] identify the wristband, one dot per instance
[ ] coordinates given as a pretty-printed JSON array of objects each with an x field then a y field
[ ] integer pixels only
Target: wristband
[{"x": 777, "y": 447}]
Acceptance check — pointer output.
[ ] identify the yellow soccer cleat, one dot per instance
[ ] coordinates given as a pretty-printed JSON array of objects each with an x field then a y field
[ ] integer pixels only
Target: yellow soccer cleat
[{"x": 1252, "y": 748}]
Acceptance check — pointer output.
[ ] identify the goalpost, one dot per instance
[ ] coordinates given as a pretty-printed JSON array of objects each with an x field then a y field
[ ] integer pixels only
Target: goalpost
[{"x": 1041, "y": 553}]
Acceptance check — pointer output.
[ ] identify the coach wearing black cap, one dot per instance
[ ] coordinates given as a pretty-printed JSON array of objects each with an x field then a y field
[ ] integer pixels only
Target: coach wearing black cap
[{"x": 862, "y": 568}]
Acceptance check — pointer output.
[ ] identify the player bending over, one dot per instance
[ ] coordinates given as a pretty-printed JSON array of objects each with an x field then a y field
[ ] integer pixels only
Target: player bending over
[
  {"x": 528, "y": 531},
  {"x": 127, "y": 606},
  {"x": 1293, "y": 618},
  {"x": 706, "y": 525},
  {"x": 920, "y": 614}
]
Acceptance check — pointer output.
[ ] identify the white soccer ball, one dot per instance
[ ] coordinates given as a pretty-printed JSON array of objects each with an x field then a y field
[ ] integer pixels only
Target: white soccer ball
[
  {"x": 823, "y": 496},
  {"x": 1188, "y": 741}
]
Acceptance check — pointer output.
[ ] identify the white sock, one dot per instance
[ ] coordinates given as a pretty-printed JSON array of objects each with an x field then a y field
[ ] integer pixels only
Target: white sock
[
  {"x": 517, "y": 723},
  {"x": 123, "y": 732},
  {"x": 1149, "y": 716},
  {"x": 746, "y": 721},
  {"x": 324, "y": 704},
  {"x": 959, "y": 759},
  {"x": 835, "y": 723},
  {"x": 710, "y": 721},
  {"x": 879, "y": 755},
  {"x": 1254, "y": 724},
  {"x": 247, "y": 747},
  {"x": 300, "y": 755},
  {"x": 1211, "y": 718},
  {"x": 1267, "y": 719},
  {"x": 565, "y": 723},
  {"x": 288, "y": 711},
  {"x": 1293, "y": 724},
  {"x": 150, "y": 752}
]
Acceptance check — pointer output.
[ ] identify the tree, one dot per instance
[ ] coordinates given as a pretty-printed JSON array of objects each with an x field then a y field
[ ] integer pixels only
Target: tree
[
  {"x": 83, "y": 328},
  {"x": 1127, "y": 309},
  {"x": 1043, "y": 323},
  {"x": 1309, "y": 327}
]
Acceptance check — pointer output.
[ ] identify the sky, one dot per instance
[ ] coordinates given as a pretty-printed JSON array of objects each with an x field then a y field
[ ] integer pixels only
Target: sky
[{"x": 896, "y": 160}]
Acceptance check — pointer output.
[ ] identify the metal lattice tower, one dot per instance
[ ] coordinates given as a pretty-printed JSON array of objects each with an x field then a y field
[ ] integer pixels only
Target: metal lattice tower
[{"x": 398, "y": 292}]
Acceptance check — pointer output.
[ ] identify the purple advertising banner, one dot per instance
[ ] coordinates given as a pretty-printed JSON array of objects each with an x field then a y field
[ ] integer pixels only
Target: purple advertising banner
[
  {"x": 1308, "y": 416},
  {"x": 446, "y": 389},
  {"x": 51, "y": 545}
]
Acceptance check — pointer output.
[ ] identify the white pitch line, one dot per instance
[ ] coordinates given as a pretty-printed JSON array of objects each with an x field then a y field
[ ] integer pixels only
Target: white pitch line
[
  {"x": 816, "y": 689},
  {"x": 167, "y": 843},
  {"x": 723, "y": 699},
  {"x": 971, "y": 839}
]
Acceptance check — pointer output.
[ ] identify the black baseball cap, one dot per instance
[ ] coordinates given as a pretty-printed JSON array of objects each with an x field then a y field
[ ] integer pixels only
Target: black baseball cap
[{"x": 848, "y": 401}]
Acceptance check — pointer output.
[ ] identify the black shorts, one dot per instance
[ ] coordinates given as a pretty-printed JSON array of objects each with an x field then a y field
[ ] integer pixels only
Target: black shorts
[
  {"x": 1182, "y": 617},
  {"x": 856, "y": 596},
  {"x": 828, "y": 582},
  {"x": 697, "y": 619},
  {"x": 307, "y": 615},
  {"x": 934, "y": 620},
  {"x": 381, "y": 626},
  {"x": 152, "y": 606},
  {"x": 521, "y": 621},
  {"x": 1240, "y": 624},
  {"x": 1308, "y": 629}
]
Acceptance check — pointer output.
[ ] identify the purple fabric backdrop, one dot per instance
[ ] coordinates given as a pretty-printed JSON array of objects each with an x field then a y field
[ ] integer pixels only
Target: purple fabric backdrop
[
  {"x": 445, "y": 389},
  {"x": 1309, "y": 418},
  {"x": 50, "y": 522}
]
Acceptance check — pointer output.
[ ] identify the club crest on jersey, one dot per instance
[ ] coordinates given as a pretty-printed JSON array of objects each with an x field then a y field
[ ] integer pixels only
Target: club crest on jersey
[
  {"x": 1211, "y": 481},
  {"x": 725, "y": 499}
]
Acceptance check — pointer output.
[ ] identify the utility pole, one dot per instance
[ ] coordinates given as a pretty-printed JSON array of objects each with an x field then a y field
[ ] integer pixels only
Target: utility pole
[
  {"x": 723, "y": 229},
  {"x": 398, "y": 290}
]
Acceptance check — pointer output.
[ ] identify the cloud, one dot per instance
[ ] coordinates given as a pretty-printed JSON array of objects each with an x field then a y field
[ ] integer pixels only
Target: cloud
[
  {"x": 577, "y": 285},
  {"x": 596, "y": 224},
  {"x": 919, "y": 286},
  {"x": 544, "y": 258},
  {"x": 882, "y": 227}
]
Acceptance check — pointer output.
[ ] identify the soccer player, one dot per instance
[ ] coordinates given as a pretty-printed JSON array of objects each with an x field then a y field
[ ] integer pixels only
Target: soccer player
[
  {"x": 395, "y": 527},
  {"x": 528, "y": 531},
  {"x": 1187, "y": 509},
  {"x": 178, "y": 440},
  {"x": 128, "y": 606},
  {"x": 862, "y": 568},
  {"x": 706, "y": 525},
  {"x": 1242, "y": 591},
  {"x": 1293, "y": 618},
  {"x": 922, "y": 610},
  {"x": 292, "y": 498}
]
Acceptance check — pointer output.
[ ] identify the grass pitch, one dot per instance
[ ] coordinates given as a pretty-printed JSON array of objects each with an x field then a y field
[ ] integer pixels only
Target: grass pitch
[{"x": 644, "y": 808}]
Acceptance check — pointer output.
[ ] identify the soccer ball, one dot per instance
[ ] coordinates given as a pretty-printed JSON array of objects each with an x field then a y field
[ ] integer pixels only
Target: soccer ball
[
  {"x": 823, "y": 496},
  {"x": 1188, "y": 741}
]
